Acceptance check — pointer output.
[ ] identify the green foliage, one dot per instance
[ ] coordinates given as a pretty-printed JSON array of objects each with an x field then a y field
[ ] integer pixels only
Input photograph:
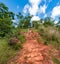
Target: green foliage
[
  {"x": 58, "y": 24},
  {"x": 56, "y": 61},
  {"x": 48, "y": 22},
  {"x": 41, "y": 20},
  {"x": 50, "y": 35},
  {"x": 5, "y": 27},
  {"x": 6, "y": 52},
  {"x": 24, "y": 21},
  {"x": 5, "y": 20},
  {"x": 3, "y": 7},
  {"x": 4, "y": 13},
  {"x": 17, "y": 46},
  {"x": 21, "y": 38},
  {"x": 47, "y": 29},
  {"x": 35, "y": 24},
  {"x": 13, "y": 41}
]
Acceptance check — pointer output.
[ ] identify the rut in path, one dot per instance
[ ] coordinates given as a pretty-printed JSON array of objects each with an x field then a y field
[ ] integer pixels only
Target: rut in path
[{"x": 33, "y": 52}]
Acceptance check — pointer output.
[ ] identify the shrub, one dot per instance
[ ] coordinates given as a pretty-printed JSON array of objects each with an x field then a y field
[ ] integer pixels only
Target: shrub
[
  {"x": 5, "y": 27},
  {"x": 21, "y": 38},
  {"x": 13, "y": 41},
  {"x": 17, "y": 46},
  {"x": 50, "y": 35},
  {"x": 56, "y": 60}
]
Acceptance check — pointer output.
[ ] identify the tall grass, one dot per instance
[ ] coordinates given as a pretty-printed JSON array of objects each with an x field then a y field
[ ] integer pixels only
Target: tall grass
[
  {"x": 6, "y": 52},
  {"x": 50, "y": 35}
]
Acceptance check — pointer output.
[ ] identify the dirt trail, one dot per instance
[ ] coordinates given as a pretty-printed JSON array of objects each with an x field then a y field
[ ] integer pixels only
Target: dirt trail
[{"x": 33, "y": 52}]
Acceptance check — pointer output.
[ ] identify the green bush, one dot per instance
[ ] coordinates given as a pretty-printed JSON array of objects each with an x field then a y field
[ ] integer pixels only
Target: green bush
[
  {"x": 13, "y": 41},
  {"x": 6, "y": 51},
  {"x": 56, "y": 60},
  {"x": 50, "y": 35},
  {"x": 5, "y": 26},
  {"x": 17, "y": 46},
  {"x": 21, "y": 38}
]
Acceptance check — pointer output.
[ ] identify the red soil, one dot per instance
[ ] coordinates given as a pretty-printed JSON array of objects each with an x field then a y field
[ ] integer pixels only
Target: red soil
[{"x": 33, "y": 52}]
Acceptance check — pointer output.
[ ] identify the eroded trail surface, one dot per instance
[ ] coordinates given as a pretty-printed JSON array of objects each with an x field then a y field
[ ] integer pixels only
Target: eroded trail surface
[{"x": 33, "y": 52}]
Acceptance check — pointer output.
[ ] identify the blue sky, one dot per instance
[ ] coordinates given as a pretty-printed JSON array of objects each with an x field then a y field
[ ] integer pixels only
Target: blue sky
[{"x": 37, "y": 8}]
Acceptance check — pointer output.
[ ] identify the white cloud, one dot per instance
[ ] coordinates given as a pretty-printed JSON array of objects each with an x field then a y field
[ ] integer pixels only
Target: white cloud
[
  {"x": 56, "y": 21},
  {"x": 55, "y": 12},
  {"x": 26, "y": 8},
  {"x": 36, "y": 18},
  {"x": 34, "y": 2},
  {"x": 43, "y": 9},
  {"x": 34, "y": 9}
]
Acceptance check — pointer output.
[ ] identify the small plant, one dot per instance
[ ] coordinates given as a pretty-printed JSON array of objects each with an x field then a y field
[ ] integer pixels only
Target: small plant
[
  {"x": 40, "y": 40},
  {"x": 17, "y": 46},
  {"x": 13, "y": 41},
  {"x": 56, "y": 61},
  {"x": 21, "y": 38},
  {"x": 46, "y": 42}
]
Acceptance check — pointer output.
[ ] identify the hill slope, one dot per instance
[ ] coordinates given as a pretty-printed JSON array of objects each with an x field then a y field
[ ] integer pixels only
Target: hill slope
[{"x": 35, "y": 53}]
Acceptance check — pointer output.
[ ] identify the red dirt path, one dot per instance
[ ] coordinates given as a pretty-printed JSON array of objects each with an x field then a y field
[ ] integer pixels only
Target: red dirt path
[{"x": 33, "y": 52}]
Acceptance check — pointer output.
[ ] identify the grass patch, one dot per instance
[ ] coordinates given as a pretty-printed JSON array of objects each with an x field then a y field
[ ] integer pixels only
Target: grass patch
[
  {"x": 50, "y": 35},
  {"x": 24, "y": 30},
  {"x": 6, "y": 52},
  {"x": 56, "y": 61},
  {"x": 21, "y": 38}
]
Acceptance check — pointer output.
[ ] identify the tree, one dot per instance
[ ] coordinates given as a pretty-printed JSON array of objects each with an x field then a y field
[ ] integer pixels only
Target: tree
[
  {"x": 19, "y": 16},
  {"x": 3, "y": 7},
  {"x": 4, "y": 13},
  {"x": 41, "y": 20},
  {"x": 11, "y": 15},
  {"x": 35, "y": 24},
  {"x": 58, "y": 23},
  {"x": 21, "y": 20},
  {"x": 5, "y": 20},
  {"x": 24, "y": 21},
  {"x": 27, "y": 21},
  {"x": 48, "y": 21},
  {"x": 5, "y": 26}
]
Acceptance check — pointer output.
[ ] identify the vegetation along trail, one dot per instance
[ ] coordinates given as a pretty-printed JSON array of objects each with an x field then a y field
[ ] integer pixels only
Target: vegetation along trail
[
  {"x": 38, "y": 45},
  {"x": 34, "y": 52}
]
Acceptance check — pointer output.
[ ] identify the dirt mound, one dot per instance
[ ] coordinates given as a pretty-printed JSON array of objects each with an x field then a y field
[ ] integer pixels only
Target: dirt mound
[{"x": 33, "y": 52}]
